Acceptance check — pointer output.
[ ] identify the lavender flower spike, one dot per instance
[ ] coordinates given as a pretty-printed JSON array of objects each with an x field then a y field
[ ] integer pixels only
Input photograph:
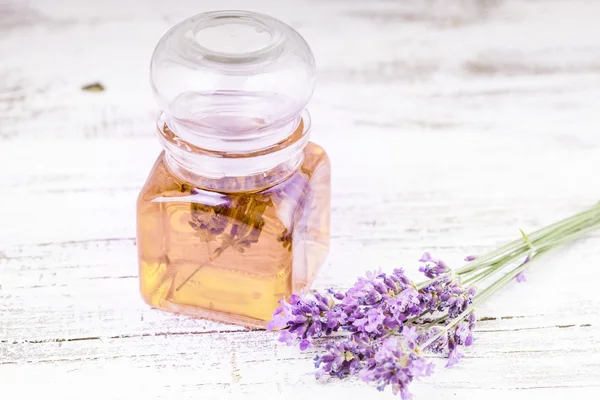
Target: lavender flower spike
[
  {"x": 462, "y": 335},
  {"x": 431, "y": 271},
  {"x": 344, "y": 358},
  {"x": 396, "y": 364},
  {"x": 304, "y": 318},
  {"x": 380, "y": 302}
]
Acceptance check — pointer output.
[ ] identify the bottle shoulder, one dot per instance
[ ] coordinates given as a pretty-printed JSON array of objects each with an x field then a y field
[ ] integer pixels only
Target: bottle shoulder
[{"x": 162, "y": 182}]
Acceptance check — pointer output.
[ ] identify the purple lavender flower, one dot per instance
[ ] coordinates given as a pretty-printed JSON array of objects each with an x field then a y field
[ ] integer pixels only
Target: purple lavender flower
[
  {"x": 336, "y": 317},
  {"x": 449, "y": 341},
  {"x": 446, "y": 295},
  {"x": 411, "y": 335},
  {"x": 462, "y": 335},
  {"x": 345, "y": 357},
  {"x": 335, "y": 294},
  {"x": 304, "y": 318},
  {"x": 380, "y": 302},
  {"x": 396, "y": 364},
  {"x": 371, "y": 322},
  {"x": 455, "y": 354},
  {"x": 431, "y": 271},
  {"x": 377, "y": 306},
  {"x": 382, "y": 317},
  {"x": 399, "y": 308},
  {"x": 459, "y": 299},
  {"x": 375, "y": 287}
]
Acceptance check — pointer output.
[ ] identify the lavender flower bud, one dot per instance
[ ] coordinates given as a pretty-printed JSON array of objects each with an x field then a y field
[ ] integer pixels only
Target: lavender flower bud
[
  {"x": 431, "y": 271},
  {"x": 396, "y": 364},
  {"x": 304, "y": 318},
  {"x": 344, "y": 357}
]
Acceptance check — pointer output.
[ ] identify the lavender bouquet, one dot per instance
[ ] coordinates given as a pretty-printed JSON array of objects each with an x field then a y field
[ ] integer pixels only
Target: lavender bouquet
[{"x": 381, "y": 328}]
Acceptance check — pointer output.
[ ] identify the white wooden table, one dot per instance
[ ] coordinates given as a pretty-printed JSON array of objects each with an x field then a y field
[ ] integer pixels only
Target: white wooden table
[{"x": 450, "y": 125}]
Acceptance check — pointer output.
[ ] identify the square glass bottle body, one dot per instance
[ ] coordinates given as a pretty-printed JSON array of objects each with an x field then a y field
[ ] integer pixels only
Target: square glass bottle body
[{"x": 232, "y": 256}]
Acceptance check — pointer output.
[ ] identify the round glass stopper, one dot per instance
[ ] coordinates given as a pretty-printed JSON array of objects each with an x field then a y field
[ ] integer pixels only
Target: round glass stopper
[{"x": 232, "y": 75}]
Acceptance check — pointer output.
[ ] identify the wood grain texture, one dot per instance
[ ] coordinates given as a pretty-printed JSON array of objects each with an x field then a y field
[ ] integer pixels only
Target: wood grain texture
[{"x": 450, "y": 125}]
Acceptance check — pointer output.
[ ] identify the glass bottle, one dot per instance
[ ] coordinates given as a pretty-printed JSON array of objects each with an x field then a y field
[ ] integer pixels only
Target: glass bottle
[{"x": 235, "y": 213}]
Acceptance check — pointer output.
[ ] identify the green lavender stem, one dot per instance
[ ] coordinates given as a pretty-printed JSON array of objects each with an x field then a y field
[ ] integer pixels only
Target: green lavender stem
[
  {"x": 539, "y": 238},
  {"x": 481, "y": 276},
  {"x": 216, "y": 254},
  {"x": 546, "y": 238}
]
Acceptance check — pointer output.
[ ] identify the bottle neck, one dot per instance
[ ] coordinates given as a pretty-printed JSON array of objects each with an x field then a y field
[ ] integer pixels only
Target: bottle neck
[{"x": 259, "y": 158}]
